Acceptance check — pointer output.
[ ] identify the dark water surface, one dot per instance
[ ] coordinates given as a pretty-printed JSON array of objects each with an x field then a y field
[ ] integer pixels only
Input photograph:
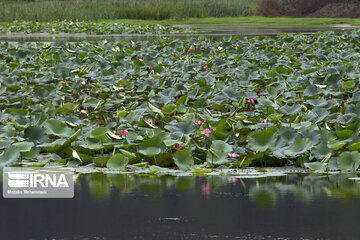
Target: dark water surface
[{"x": 114, "y": 206}]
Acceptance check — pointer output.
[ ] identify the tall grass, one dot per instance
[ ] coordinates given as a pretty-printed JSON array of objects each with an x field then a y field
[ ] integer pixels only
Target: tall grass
[{"x": 46, "y": 10}]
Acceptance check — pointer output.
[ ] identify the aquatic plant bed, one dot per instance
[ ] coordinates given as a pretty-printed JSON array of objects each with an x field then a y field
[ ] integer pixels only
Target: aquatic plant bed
[
  {"x": 236, "y": 102},
  {"x": 85, "y": 27}
]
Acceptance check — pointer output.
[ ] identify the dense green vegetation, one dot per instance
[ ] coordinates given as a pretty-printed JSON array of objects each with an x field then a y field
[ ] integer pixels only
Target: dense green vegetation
[
  {"x": 234, "y": 102},
  {"x": 86, "y": 27},
  {"x": 46, "y": 10}
]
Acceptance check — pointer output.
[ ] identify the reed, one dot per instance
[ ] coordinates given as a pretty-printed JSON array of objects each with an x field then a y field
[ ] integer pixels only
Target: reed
[{"x": 46, "y": 10}]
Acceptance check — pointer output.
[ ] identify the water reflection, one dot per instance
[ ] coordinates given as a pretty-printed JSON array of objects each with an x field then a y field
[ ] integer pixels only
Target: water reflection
[
  {"x": 119, "y": 206},
  {"x": 262, "y": 191}
]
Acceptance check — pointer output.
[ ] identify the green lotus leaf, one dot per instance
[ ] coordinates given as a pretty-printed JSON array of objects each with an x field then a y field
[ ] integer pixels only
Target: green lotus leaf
[
  {"x": 185, "y": 128},
  {"x": 41, "y": 163},
  {"x": 184, "y": 160},
  {"x": 54, "y": 145},
  {"x": 262, "y": 140},
  {"x": 316, "y": 166},
  {"x": 321, "y": 150},
  {"x": 101, "y": 161},
  {"x": 36, "y": 134},
  {"x": 9, "y": 156},
  {"x": 99, "y": 133},
  {"x": 68, "y": 108},
  {"x": 169, "y": 109},
  {"x": 23, "y": 146},
  {"x": 117, "y": 162},
  {"x": 57, "y": 128},
  {"x": 349, "y": 161},
  {"x": 344, "y": 134},
  {"x": 348, "y": 85},
  {"x": 218, "y": 152},
  {"x": 152, "y": 146},
  {"x": 354, "y": 146},
  {"x": 336, "y": 145},
  {"x": 300, "y": 146}
]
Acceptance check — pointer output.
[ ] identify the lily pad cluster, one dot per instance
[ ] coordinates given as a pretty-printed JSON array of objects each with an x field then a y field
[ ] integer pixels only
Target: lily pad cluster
[
  {"x": 99, "y": 28},
  {"x": 233, "y": 102}
]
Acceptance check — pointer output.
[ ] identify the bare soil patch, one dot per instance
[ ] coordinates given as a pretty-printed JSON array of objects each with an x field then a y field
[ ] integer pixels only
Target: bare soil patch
[{"x": 312, "y": 8}]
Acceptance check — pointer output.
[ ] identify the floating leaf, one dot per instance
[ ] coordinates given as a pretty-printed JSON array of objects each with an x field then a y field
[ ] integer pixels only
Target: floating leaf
[
  {"x": 101, "y": 161},
  {"x": 99, "y": 133},
  {"x": 316, "y": 166},
  {"x": 57, "y": 128},
  {"x": 117, "y": 162},
  {"x": 152, "y": 146},
  {"x": 262, "y": 140},
  {"x": 184, "y": 160},
  {"x": 300, "y": 146},
  {"x": 169, "y": 109},
  {"x": 349, "y": 161},
  {"x": 218, "y": 152},
  {"x": 9, "y": 156},
  {"x": 23, "y": 146},
  {"x": 36, "y": 134}
]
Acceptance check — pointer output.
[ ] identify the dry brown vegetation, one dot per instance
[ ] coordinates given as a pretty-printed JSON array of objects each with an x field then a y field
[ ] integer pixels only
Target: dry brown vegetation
[{"x": 311, "y": 8}]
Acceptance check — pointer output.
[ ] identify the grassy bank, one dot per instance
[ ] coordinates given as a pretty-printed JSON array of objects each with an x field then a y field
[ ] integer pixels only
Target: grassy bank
[
  {"x": 235, "y": 20},
  {"x": 46, "y": 10}
]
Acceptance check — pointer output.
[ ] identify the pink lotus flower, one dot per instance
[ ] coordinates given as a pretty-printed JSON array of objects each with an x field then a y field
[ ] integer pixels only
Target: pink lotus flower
[
  {"x": 120, "y": 79},
  {"x": 343, "y": 29},
  {"x": 64, "y": 20},
  {"x": 205, "y": 67},
  {"x": 62, "y": 82},
  {"x": 199, "y": 122},
  {"x": 178, "y": 147},
  {"x": 251, "y": 101},
  {"x": 343, "y": 36},
  {"x": 233, "y": 155},
  {"x": 346, "y": 44},
  {"x": 281, "y": 50},
  {"x": 206, "y": 132},
  {"x": 232, "y": 180},
  {"x": 150, "y": 67},
  {"x": 3, "y": 120},
  {"x": 76, "y": 20},
  {"x": 237, "y": 45},
  {"x": 265, "y": 120},
  {"x": 123, "y": 132},
  {"x": 206, "y": 189},
  {"x": 190, "y": 48}
]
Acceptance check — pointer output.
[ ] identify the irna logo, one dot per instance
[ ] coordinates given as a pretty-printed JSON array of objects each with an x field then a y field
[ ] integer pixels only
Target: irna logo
[
  {"x": 34, "y": 180},
  {"x": 24, "y": 182}
]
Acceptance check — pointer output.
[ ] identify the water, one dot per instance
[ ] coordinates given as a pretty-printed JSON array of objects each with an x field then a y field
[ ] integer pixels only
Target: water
[
  {"x": 112, "y": 206},
  {"x": 214, "y": 31}
]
